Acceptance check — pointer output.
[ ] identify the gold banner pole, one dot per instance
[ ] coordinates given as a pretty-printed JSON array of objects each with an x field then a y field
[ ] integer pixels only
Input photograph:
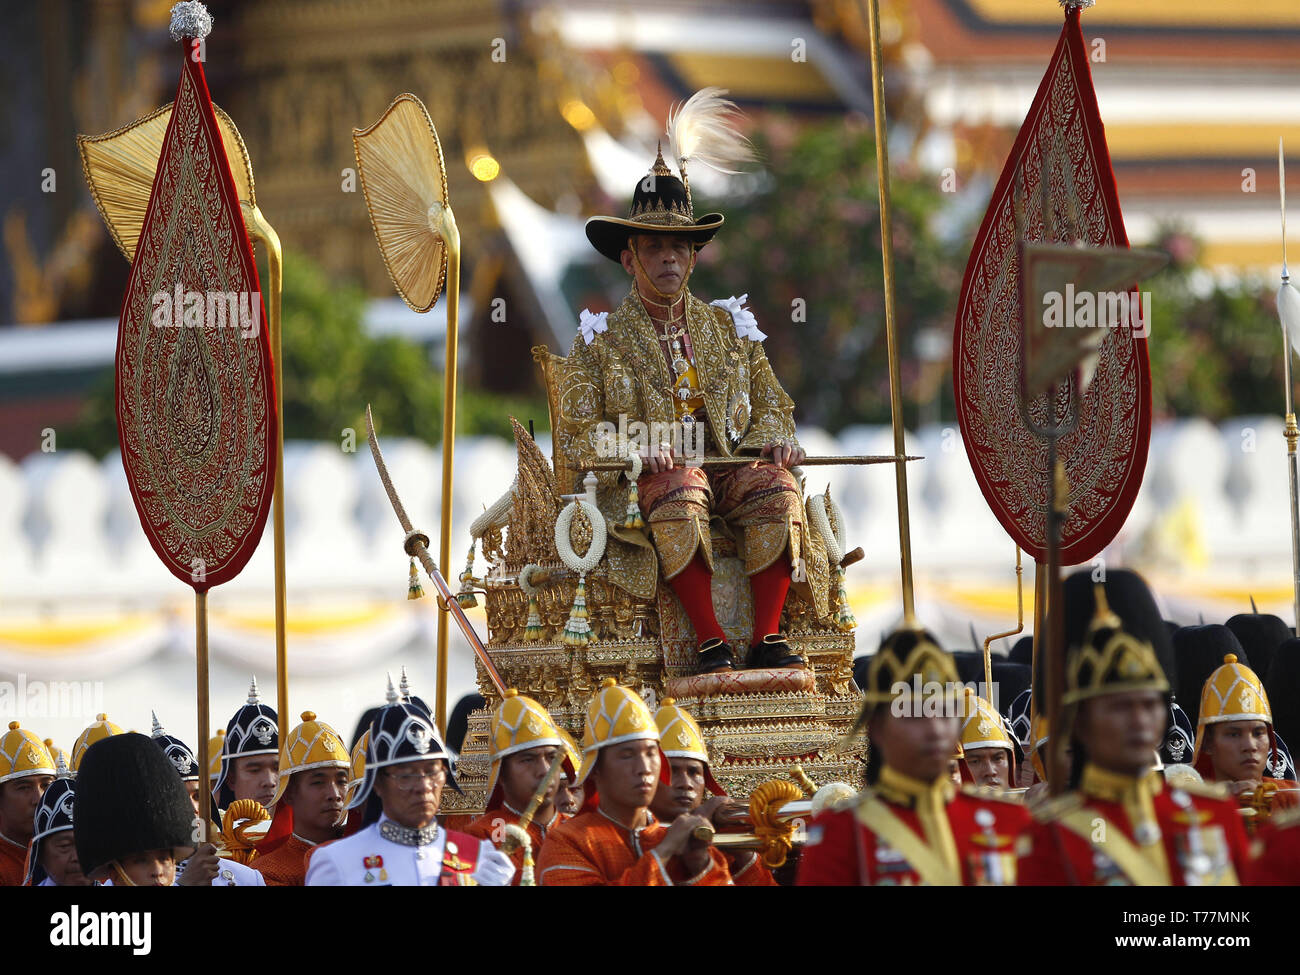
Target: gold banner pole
[
  {"x": 891, "y": 331},
  {"x": 443, "y": 222},
  {"x": 263, "y": 231},
  {"x": 1291, "y": 431},
  {"x": 205, "y": 728},
  {"x": 1020, "y": 625}
]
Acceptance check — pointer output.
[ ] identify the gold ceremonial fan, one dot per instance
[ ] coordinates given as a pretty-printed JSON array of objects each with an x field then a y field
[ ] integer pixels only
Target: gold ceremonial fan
[
  {"x": 120, "y": 168},
  {"x": 405, "y": 185}
]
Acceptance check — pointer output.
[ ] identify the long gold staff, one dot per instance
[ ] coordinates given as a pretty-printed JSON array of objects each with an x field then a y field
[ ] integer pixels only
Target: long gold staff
[
  {"x": 259, "y": 229},
  {"x": 1288, "y": 309},
  {"x": 829, "y": 461},
  {"x": 872, "y": 16},
  {"x": 404, "y": 181}
]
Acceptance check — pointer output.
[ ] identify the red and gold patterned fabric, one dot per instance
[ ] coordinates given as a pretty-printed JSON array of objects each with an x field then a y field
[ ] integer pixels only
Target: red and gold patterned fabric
[
  {"x": 195, "y": 395},
  {"x": 1117, "y": 830},
  {"x": 287, "y": 865},
  {"x": 492, "y": 824},
  {"x": 1062, "y": 142},
  {"x": 760, "y": 500},
  {"x": 592, "y": 850},
  {"x": 903, "y": 833}
]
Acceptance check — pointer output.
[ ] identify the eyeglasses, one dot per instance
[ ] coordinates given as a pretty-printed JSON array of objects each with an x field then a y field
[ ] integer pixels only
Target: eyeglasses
[{"x": 410, "y": 781}]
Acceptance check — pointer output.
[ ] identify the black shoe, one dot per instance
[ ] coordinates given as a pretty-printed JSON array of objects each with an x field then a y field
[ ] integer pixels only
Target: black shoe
[
  {"x": 773, "y": 651},
  {"x": 714, "y": 656}
]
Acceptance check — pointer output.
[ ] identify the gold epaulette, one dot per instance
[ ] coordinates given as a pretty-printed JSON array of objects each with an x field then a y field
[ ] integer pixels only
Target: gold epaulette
[
  {"x": 849, "y": 803},
  {"x": 1049, "y": 810},
  {"x": 992, "y": 794},
  {"x": 1203, "y": 790}
]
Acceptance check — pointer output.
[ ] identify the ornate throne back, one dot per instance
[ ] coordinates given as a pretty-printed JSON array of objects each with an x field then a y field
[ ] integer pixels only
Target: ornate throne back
[{"x": 758, "y": 723}]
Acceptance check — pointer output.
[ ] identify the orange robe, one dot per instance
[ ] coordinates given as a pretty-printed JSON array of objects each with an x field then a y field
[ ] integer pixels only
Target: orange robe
[
  {"x": 592, "y": 850},
  {"x": 13, "y": 863},
  {"x": 749, "y": 872},
  {"x": 287, "y": 865},
  {"x": 491, "y": 826}
]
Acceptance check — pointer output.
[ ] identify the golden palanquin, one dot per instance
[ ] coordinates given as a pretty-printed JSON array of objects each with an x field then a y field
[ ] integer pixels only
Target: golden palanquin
[{"x": 758, "y": 723}]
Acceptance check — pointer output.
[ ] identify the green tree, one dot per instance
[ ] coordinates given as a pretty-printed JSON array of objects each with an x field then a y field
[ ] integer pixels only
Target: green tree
[{"x": 807, "y": 244}]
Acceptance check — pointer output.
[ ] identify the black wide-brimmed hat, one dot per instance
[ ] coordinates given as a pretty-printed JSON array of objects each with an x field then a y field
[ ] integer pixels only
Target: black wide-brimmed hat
[
  {"x": 661, "y": 204},
  {"x": 701, "y": 130},
  {"x": 129, "y": 799}
]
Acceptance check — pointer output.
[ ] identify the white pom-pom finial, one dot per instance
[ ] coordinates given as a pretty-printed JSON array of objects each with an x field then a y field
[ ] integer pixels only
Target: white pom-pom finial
[
  {"x": 190, "y": 19},
  {"x": 1077, "y": 4}
]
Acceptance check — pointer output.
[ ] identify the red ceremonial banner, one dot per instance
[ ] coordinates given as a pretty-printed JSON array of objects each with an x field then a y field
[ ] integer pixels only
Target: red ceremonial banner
[
  {"x": 1062, "y": 142},
  {"x": 195, "y": 388}
]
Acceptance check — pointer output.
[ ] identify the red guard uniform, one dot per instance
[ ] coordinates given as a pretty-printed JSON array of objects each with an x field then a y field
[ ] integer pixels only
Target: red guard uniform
[
  {"x": 1275, "y": 852},
  {"x": 1117, "y": 830},
  {"x": 907, "y": 832}
]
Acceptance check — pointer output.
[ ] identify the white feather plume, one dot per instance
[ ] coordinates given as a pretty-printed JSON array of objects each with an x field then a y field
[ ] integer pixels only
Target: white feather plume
[{"x": 701, "y": 130}]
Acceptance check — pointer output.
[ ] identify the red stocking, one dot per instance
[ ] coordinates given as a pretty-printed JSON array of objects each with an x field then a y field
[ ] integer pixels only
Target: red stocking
[
  {"x": 770, "y": 587},
  {"x": 693, "y": 587}
]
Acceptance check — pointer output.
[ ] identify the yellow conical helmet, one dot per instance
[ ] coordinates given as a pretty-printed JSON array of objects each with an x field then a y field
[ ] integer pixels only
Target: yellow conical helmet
[
  {"x": 22, "y": 753},
  {"x": 680, "y": 737},
  {"x": 616, "y": 714},
  {"x": 313, "y": 744},
  {"x": 57, "y": 753},
  {"x": 357, "y": 766},
  {"x": 215, "y": 745},
  {"x": 1233, "y": 692},
  {"x": 983, "y": 727},
  {"x": 517, "y": 724},
  {"x": 98, "y": 730}
]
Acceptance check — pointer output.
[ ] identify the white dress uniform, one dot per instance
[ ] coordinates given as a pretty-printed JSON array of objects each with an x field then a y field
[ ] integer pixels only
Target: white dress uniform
[{"x": 368, "y": 858}]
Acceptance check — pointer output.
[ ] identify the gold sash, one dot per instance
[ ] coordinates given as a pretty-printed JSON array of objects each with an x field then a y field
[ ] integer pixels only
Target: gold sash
[
  {"x": 877, "y": 817},
  {"x": 1118, "y": 847}
]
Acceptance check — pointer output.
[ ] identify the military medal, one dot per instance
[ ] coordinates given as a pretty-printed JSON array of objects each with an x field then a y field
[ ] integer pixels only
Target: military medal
[{"x": 371, "y": 864}]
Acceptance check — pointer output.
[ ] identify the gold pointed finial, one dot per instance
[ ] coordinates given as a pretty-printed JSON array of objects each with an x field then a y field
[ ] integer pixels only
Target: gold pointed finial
[
  {"x": 1103, "y": 618},
  {"x": 660, "y": 168}
]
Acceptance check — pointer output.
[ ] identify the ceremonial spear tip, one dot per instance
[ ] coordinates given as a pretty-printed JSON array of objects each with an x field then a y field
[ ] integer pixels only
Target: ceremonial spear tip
[{"x": 190, "y": 19}]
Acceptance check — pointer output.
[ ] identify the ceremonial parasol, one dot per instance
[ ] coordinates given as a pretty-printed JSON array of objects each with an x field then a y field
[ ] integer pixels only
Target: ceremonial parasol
[
  {"x": 196, "y": 398},
  {"x": 405, "y": 186},
  {"x": 1056, "y": 421}
]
